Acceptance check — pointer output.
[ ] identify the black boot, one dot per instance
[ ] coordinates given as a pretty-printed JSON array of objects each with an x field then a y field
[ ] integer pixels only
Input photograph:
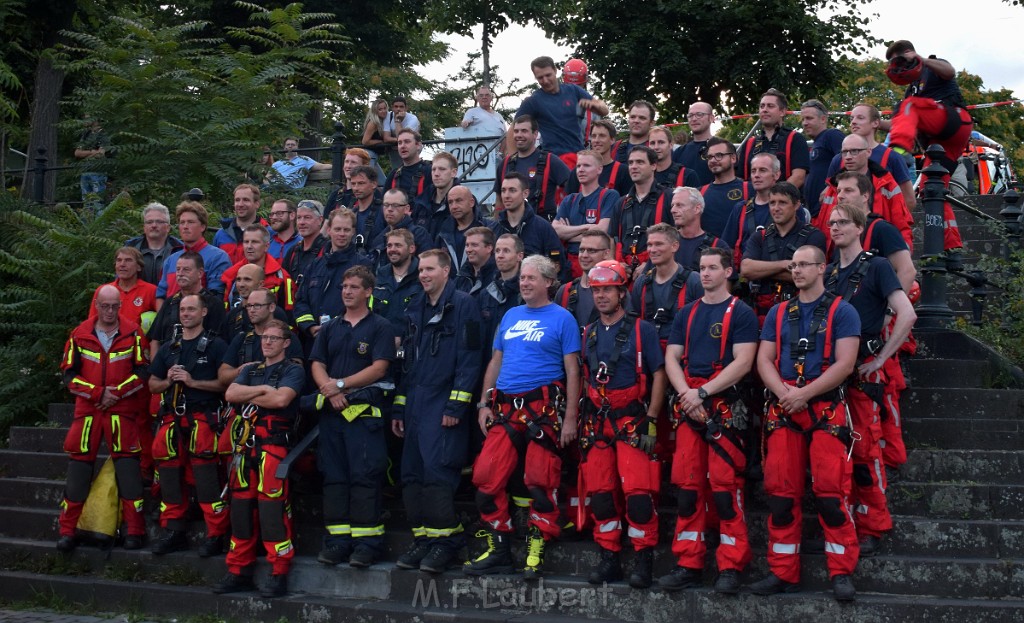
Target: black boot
[
  {"x": 415, "y": 555},
  {"x": 608, "y": 570},
  {"x": 679, "y": 578},
  {"x": 496, "y": 559},
  {"x": 171, "y": 541},
  {"x": 232, "y": 583},
  {"x": 212, "y": 546},
  {"x": 642, "y": 569}
]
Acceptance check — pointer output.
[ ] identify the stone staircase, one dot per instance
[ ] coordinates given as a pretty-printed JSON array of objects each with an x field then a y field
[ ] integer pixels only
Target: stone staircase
[{"x": 956, "y": 552}]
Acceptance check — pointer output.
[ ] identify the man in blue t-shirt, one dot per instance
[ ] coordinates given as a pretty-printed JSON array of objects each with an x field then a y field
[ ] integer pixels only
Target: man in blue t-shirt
[
  {"x": 827, "y": 144},
  {"x": 710, "y": 349},
  {"x": 554, "y": 105},
  {"x": 532, "y": 375},
  {"x": 593, "y": 206},
  {"x": 808, "y": 349}
]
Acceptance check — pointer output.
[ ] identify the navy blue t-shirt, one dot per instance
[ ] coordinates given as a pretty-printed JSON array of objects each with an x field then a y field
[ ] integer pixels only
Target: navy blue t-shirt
[
  {"x": 585, "y": 210},
  {"x": 885, "y": 238},
  {"x": 345, "y": 349},
  {"x": 719, "y": 202},
  {"x": 556, "y": 113},
  {"x": 693, "y": 155},
  {"x": 827, "y": 146},
  {"x": 845, "y": 323},
  {"x": 663, "y": 296},
  {"x": 870, "y": 298},
  {"x": 625, "y": 367},
  {"x": 203, "y": 366},
  {"x": 706, "y": 333},
  {"x": 690, "y": 248}
]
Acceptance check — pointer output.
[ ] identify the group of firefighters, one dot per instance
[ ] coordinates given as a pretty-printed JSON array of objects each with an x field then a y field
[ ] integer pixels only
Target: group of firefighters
[{"x": 664, "y": 359}]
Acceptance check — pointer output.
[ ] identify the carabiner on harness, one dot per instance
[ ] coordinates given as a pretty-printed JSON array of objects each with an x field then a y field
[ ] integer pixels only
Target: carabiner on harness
[{"x": 601, "y": 376}]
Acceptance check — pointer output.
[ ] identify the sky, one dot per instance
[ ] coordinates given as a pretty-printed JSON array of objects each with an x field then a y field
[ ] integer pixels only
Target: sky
[{"x": 986, "y": 41}]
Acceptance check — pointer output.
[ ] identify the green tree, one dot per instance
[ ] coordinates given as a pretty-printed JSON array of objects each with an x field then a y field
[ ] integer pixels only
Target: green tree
[
  {"x": 461, "y": 16},
  {"x": 676, "y": 51},
  {"x": 184, "y": 109},
  {"x": 51, "y": 261}
]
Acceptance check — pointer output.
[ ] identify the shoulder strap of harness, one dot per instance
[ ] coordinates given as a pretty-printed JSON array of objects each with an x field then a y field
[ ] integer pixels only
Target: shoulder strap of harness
[
  {"x": 244, "y": 348},
  {"x": 726, "y": 324},
  {"x": 571, "y": 296},
  {"x": 630, "y": 321},
  {"x": 869, "y": 232},
  {"x": 799, "y": 347},
  {"x": 704, "y": 189},
  {"x": 647, "y": 301},
  {"x": 884, "y": 160},
  {"x": 853, "y": 283},
  {"x": 745, "y": 160},
  {"x": 614, "y": 175},
  {"x": 789, "y": 153},
  {"x": 543, "y": 174}
]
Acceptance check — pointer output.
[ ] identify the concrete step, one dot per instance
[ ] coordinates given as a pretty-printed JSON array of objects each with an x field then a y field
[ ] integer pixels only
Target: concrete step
[
  {"x": 957, "y": 500},
  {"x": 984, "y": 466},
  {"x": 51, "y": 465},
  {"x": 451, "y": 596},
  {"x": 961, "y": 403},
  {"x": 964, "y": 434},
  {"x": 31, "y": 492},
  {"x": 37, "y": 438},
  {"x": 948, "y": 373},
  {"x": 911, "y": 536}
]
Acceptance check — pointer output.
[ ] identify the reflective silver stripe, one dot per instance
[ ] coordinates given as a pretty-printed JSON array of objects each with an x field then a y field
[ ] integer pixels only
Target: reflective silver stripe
[
  {"x": 786, "y": 548},
  {"x": 690, "y": 536},
  {"x": 834, "y": 548},
  {"x": 635, "y": 533},
  {"x": 879, "y": 478},
  {"x": 894, "y": 410},
  {"x": 862, "y": 509},
  {"x": 609, "y": 526},
  {"x": 727, "y": 540},
  {"x": 889, "y": 194}
]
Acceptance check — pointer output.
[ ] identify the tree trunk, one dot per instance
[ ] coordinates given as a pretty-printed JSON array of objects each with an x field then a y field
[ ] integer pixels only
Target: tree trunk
[
  {"x": 49, "y": 85},
  {"x": 487, "y": 50}
]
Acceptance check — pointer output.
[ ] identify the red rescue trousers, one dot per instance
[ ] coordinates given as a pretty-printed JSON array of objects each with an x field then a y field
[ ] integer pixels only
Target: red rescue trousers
[
  {"x": 498, "y": 459},
  {"x": 185, "y": 450},
  {"x": 260, "y": 499},
  {"x": 705, "y": 477},
  {"x": 869, "y": 482},
  {"x": 894, "y": 450},
  {"x": 82, "y": 443},
  {"x": 615, "y": 474},
  {"x": 789, "y": 453},
  {"x": 931, "y": 119}
]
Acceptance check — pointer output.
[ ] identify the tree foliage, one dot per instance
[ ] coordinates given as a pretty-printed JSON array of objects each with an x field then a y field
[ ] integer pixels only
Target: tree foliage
[
  {"x": 51, "y": 261},
  {"x": 674, "y": 52},
  {"x": 185, "y": 109}
]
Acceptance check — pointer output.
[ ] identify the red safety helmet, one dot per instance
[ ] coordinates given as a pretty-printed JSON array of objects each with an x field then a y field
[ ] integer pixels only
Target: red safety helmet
[
  {"x": 608, "y": 273},
  {"x": 915, "y": 293},
  {"x": 575, "y": 72},
  {"x": 904, "y": 72}
]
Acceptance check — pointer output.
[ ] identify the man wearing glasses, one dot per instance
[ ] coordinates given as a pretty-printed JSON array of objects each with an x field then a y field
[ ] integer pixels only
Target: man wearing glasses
[
  {"x": 870, "y": 284},
  {"x": 156, "y": 243},
  {"x": 808, "y": 350},
  {"x": 258, "y": 497},
  {"x": 726, "y": 191},
  {"x": 255, "y": 244},
  {"x": 282, "y": 228},
  {"x": 888, "y": 200},
  {"x": 576, "y": 296},
  {"x": 693, "y": 155},
  {"x": 398, "y": 215},
  {"x": 244, "y": 348}
]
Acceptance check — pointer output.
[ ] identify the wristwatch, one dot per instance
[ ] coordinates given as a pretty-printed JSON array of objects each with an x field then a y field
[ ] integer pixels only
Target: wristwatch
[
  {"x": 702, "y": 393},
  {"x": 483, "y": 405},
  {"x": 341, "y": 383}
]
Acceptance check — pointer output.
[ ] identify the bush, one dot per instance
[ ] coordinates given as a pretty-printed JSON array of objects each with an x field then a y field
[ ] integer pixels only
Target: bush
[{"x": 51, "y": 261}]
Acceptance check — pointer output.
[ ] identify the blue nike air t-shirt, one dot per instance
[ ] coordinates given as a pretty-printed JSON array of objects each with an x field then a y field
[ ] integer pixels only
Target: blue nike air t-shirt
[{"x": 533, "y": 342}]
